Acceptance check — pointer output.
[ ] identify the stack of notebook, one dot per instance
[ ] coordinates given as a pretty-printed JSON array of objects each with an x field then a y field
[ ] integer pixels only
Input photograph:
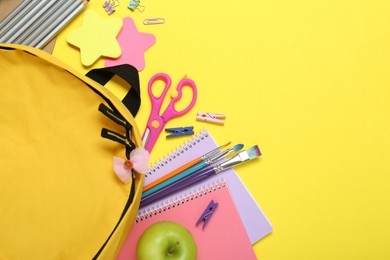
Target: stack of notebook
[{"x": 237, "y": 223}]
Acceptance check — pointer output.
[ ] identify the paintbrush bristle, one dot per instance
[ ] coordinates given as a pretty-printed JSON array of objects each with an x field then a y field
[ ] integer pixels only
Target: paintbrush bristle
[
  {"x": 237, "y": 147},
  {"x": 253, "y": 152},
  {"x": 223, "y": 146}
]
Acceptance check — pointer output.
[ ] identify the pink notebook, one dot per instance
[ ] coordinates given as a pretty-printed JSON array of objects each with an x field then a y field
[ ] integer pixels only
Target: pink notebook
[{"x": 224, "y": 236}]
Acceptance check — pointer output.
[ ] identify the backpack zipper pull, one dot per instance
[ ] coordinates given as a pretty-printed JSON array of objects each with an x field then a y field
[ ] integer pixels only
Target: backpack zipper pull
[
  {"x": 119, "y": 138},
  {"x": 114, "y": 116},
  {"x": 116, "y": 137}
]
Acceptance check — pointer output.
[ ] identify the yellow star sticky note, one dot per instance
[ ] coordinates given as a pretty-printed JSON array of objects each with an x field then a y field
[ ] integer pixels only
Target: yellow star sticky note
[{"x": 96, "y": 37}]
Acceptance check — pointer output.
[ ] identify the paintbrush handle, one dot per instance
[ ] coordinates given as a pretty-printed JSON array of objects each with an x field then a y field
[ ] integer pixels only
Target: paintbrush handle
[
  {"x": 186, "y": 166},
  {"x": 183, "y": 183},
  {"x": 242, "y": 157}
]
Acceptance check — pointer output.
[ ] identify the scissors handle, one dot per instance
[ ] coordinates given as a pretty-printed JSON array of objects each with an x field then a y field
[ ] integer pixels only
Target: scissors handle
[
  {"x": 171, "y": 112},
  {"x": 157, "y": 101},
  {"x": 156, "y": 122}
]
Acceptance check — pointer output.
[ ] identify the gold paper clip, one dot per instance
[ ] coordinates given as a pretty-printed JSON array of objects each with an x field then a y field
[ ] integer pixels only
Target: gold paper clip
[{"x": 149, "y": 21}]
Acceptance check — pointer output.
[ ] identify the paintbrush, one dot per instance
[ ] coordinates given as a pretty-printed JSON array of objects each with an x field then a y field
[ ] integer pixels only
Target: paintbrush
[
  {"x": 184, "y": 167},
  {"x": 240, "y": 158},
  {"x": 197, "y": 167}
]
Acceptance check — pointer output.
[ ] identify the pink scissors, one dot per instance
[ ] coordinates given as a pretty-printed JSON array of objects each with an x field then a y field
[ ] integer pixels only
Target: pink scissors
[{"x": 156, "y": 122}]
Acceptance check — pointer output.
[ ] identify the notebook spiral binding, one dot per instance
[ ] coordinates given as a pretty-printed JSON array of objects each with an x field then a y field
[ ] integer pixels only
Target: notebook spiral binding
[
  {"x": 179, "y": 199},
  {"x": 178, "y": 152}
]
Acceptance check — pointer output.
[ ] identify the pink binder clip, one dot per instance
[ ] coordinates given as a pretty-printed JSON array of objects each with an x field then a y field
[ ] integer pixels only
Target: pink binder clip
[
  {"x": 109, "y": 6},
  {"x": 205, "y": 217},
  {"x": 210, "y": 117}
]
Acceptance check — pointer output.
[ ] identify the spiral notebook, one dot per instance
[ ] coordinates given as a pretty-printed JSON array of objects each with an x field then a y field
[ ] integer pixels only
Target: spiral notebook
[
  {"x": 223, "y": 237},
  {"x": 255, "y": 222}
]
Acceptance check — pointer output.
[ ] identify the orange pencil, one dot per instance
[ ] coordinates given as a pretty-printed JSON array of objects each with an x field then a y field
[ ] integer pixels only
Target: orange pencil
[{"x": 184, "y": 167}]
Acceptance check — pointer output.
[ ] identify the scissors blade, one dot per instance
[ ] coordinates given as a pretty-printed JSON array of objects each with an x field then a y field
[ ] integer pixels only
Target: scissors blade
[
  {"x": 150, "y": 137},
  {"x": 145, "y": 137}
]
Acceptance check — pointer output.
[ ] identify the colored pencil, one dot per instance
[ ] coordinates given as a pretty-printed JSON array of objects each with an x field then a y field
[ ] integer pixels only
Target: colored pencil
[
  {"x": 242, "y": 157},
  {"x": 184, "y": 167},
  {"x": 197, "y": 167}
]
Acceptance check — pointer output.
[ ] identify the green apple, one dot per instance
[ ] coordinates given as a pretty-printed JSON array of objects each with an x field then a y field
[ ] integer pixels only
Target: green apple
[{"x": 166, "y": 240}]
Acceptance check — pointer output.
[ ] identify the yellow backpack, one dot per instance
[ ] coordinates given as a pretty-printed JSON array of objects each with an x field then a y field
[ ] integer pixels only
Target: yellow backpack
[{"x": 59, "y": 196}]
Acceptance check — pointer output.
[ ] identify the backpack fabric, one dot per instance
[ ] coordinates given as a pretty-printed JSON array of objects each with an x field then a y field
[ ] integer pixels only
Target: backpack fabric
[{"x": 59, "y": 196}]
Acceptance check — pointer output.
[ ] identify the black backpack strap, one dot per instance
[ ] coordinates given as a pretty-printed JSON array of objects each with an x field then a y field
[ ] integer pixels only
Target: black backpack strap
[{"x": 132, "y": 100}]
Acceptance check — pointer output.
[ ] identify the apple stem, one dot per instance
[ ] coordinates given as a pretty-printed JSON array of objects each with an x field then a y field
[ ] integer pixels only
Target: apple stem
[{"x": 173, "y": 248}]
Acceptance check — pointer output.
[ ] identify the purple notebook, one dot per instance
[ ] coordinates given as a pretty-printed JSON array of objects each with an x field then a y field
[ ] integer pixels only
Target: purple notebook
[{"x": 255, "y": 222}]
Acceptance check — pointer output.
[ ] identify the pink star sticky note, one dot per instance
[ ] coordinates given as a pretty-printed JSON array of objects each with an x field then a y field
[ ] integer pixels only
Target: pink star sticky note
[{"x": 133, "y": 44}]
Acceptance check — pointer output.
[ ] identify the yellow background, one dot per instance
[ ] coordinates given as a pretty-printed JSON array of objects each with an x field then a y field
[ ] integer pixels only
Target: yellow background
[{"x": 308, "y": 81}]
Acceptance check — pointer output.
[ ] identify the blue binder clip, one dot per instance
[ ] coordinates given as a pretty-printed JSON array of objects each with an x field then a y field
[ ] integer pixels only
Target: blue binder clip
[
  {"x": 135, "y": 4},
  {"x": 179, "y": 131},
  {"x": 205, "y": 217}
]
